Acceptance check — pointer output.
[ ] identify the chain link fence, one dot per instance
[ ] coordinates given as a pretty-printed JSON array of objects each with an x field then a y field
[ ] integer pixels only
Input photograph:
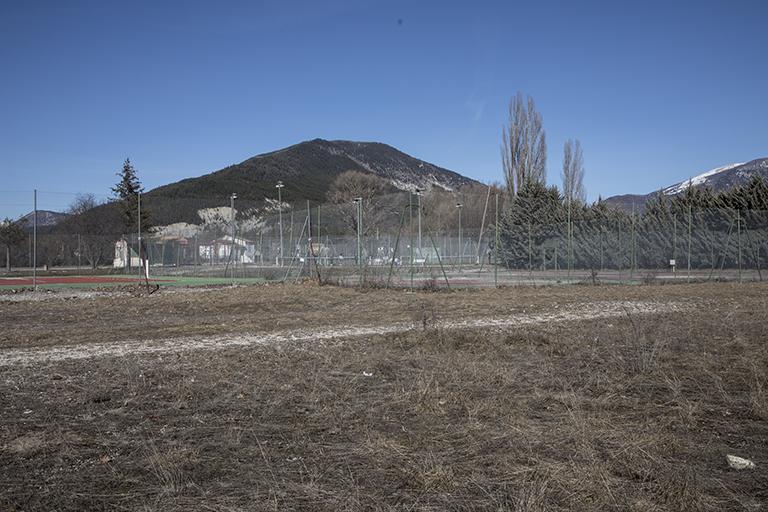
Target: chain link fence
[{"x": 397, "y": 240}]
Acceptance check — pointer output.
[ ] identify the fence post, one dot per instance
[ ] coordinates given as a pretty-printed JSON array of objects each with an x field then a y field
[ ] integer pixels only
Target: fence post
[
  {"x": 530, "y": 248},
  {"x": 690, "y": 221},
  {"x": 632, "y": 262},
  {"x": 79, "y": 250},
  {"x": 674, "y": 238},
  {"x": 602, "y": 233},
  {"x": 738, "y": 237},
  {"x": 568, "y": 235},
  {"x": 712, "y": 250},
  {"x": 496, "y": 248},
  {"x": 482, "y": 228},
  {"x": 138, "y": 220},
  {"x": 620, "y": 248}
]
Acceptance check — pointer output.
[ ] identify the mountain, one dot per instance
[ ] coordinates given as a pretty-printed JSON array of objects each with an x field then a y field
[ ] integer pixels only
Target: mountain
[
  {"x": 718, "y": 180},
  {"x": 307, "y": 170},
  {"x": 45, "y": 218}
]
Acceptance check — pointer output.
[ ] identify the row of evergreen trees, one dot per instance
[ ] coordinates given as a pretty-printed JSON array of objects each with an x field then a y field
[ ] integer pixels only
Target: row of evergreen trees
[{"x": 539, "y": 229}]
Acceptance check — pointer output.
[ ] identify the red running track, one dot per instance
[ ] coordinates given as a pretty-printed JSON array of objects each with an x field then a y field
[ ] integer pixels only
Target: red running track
[{"x": 27, "y": 281}]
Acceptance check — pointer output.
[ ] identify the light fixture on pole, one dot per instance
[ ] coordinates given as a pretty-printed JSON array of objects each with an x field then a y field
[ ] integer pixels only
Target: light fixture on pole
[
  {"x": 459, "y": 206},
  {"x": 279, "y": 188}
]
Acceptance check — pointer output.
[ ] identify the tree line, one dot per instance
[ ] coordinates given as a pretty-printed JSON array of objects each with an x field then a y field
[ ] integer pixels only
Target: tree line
[{"x": 543, "y": 227}]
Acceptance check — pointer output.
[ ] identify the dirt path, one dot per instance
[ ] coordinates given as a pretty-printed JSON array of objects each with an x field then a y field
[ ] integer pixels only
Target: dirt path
[{"x": 595, "y": 310}]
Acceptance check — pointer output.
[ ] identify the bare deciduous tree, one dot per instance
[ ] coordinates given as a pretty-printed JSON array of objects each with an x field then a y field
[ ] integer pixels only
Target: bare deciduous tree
[
  {"x": 523, "y": 145},
  {"x": 96, "y": 229},
  {"x": 439, "y": 207},
  {"x": 573, "y": 172},
  {"x": 353, "y": 184},
  {"x": 82, "y": 203}
]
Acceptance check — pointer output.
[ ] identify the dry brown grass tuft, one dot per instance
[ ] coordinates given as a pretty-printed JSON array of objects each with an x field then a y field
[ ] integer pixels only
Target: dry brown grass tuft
[
  {"x": 758, "y": 391},
  {"x": 630, "y": 413}
]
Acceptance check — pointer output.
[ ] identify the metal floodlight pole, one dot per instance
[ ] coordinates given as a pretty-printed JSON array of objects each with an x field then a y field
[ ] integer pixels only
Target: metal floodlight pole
[
  {"x": 418, "y": 195},
  {"x": 34, "y": 244},
  {"x": 232, "y": 246},
  {"x": 360, "y": 235},
  {"x": 279, "y": 188},
  {"x": 410, "y": 234},
  {"x": 410, "y": 231},
  {"x": 459, "y": 206}
]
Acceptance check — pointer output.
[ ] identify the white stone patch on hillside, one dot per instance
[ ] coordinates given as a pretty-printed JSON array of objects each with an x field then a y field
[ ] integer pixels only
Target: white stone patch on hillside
[
  {"x": 219, "y": 215},
  {"x": 179, "y": 229}
]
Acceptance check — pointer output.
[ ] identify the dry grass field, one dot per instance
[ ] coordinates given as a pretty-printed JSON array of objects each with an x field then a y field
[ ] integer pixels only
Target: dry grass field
[{"x": 325, "y": 398}]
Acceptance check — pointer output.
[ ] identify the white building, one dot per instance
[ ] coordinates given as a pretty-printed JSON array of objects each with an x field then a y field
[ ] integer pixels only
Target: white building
[
  {"x": 122, "y": 250},
  {"x": 218, "y": 250}
]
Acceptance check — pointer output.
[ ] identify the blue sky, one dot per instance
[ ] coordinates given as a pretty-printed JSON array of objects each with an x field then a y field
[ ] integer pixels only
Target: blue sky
[{"x": 656, "y": 91}]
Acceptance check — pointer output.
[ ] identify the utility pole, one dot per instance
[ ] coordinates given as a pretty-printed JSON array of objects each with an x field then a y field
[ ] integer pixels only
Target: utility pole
[
  {"x": 34, "y": 244},
  {"x": 232, "y": 246},
  {"x": 459, "y": 206},
  {"x": 279, "y": 188},
  {"x": 138, "y": 220}
]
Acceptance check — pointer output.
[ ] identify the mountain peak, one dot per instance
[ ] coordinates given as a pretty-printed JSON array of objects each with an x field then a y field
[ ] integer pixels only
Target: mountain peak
[
  {"x": 719, "y": 179},
  {"x": 307, "y": 169}
]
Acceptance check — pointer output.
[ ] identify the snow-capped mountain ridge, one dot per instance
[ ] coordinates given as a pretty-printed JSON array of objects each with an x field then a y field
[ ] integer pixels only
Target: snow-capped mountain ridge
[
  {"x": 718, "y": 180},
  {"x": 700, "y": 179}
]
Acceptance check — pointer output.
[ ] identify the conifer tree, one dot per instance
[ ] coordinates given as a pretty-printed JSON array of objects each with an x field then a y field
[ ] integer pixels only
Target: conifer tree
[
  {"x": 11, "y": 233},
  {"x": 127, "y": 192}
]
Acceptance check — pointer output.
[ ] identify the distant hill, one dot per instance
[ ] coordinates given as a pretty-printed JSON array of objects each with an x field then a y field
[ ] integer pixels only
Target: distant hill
[
  {"x": 307, "y": 169},
  {"x": 45, "y": 218},
  {"x": 719, "y": 179}
]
